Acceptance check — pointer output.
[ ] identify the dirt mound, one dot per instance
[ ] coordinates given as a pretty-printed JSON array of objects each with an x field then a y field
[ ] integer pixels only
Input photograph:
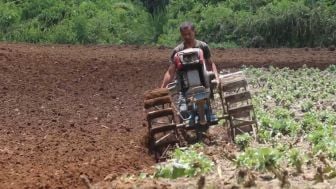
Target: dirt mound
[{"x": 72, "y": 110}]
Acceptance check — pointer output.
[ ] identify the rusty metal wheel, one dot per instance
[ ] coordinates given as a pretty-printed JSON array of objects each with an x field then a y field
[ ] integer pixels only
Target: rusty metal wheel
[
  {"x": 238, "y": 105},
  {"x": 162, "y": 131}
]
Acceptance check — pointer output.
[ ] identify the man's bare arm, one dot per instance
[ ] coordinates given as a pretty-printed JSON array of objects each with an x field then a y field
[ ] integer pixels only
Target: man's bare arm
[
  {"x": 169, "y": 76},
  {"x": 213, "y": 67}
]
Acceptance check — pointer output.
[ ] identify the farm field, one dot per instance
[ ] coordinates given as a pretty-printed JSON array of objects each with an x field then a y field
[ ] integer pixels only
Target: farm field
[
  {"x": 296, "y": 143},
  {"x": 68, "y": 111}
]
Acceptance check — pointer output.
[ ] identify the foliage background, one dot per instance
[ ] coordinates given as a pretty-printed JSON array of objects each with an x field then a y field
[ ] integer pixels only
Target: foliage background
[{"x": 222, "y": 23}]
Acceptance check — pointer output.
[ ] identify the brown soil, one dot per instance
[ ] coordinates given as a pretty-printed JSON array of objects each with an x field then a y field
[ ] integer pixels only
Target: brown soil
[{"x": 72, "y": 110}]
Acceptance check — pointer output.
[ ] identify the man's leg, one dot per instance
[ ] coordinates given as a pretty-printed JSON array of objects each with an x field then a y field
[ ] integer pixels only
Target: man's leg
[{"x": 183, "y": 107}]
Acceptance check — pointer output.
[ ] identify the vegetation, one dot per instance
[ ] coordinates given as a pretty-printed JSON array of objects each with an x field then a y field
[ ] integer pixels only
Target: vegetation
[
  {"x": 223, "y": 23},
  {"x": 284, "y": 109},
  {"x": 58, "y": 21},
  {"x": 260, "y": 158},
  {"x": 289, "y": 136},
  {"x": 184, "y": 163},
  {"x": 293, "y": 107},
  {"x": 243, "y": 140}
]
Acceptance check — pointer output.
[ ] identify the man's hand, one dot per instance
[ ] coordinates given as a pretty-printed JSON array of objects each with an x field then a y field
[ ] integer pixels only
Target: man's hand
[
  {"x": 169, "y": 75},
  {"x": 212, "y": 66}
]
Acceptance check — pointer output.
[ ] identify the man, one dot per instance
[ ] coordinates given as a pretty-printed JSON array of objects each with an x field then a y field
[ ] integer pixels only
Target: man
[{"x": 187, "y": 31}]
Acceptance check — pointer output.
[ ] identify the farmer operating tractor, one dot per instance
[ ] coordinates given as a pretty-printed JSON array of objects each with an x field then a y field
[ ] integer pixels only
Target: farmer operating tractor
[
  {"x": 191, "y": 64},
  {"x": 191, "y": 92},
  {"x": 187, "y": 30}
]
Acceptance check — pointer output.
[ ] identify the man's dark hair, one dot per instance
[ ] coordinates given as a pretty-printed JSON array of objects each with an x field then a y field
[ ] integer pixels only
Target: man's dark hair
[{"x": 187, "y": 25}]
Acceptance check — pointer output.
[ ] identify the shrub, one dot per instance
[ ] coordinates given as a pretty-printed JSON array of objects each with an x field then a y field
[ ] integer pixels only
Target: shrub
[
  {"x": 63, "y": 33},
  {"x": 263, "y": 23},
  {"x": 9, "y": 16},
  {"x": 105, "y": 21}
]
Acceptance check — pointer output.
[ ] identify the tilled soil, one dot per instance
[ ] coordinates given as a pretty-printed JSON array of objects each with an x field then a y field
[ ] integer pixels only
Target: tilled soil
[{"x": 72, "y": 110}]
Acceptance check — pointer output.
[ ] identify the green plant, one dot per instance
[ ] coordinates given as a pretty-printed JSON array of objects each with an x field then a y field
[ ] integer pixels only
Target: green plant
[
  {"x": 243, "y": 140},
  {"x": 184, "y": 163},
  {"x": 8, "y": 16},
  {"x": 228, "y": 24},
  {"x": 332, "y": 68},
  {"x": 310, "y": 121},
  {"x": 296, "y": 159},
  {"x": 264, "y": 135},
  {"x": 86, "y": 22},
  {"x": 323, "y": 140},
  {"x": 259, "y": 158},
  {"x": 307, "y": 105},
  {"x": 282, "y": 113}
]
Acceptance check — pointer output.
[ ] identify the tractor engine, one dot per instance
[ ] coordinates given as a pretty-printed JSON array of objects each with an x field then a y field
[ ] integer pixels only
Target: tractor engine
[{"x": 194, "y": 86}]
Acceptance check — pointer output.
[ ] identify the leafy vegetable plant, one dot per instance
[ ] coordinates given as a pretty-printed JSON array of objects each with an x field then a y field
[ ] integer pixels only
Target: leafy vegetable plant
[
  {"x": 184, "y": 163},
  {"x": 243, "y": 140},
  {"x": 259, "y": 158},
  {"x": 296, "y": 159}
]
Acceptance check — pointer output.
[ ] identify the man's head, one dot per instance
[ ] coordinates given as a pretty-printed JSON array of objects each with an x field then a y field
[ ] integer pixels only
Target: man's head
[{"x": 187, "y": 30}]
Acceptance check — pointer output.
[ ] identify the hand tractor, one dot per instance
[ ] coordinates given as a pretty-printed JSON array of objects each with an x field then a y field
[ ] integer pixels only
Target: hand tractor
[{"x": 189, "y": 104}]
